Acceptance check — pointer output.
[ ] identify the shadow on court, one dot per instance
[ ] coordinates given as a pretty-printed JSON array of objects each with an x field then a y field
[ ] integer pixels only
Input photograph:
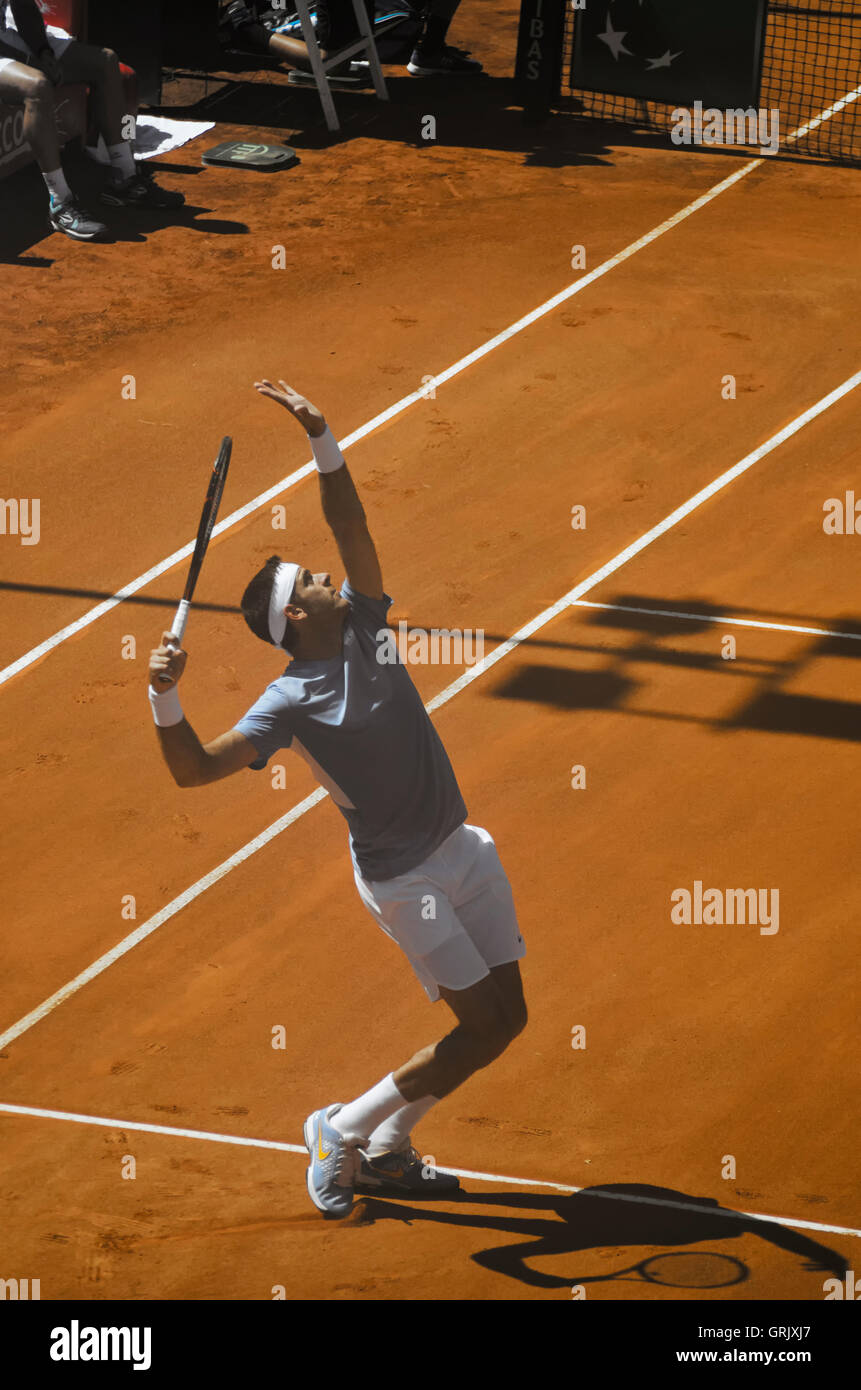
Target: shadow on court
[
  {"x": 142, "y": 600},
  {"x": 24, "y": 221},
  {"x": 473, "y": 113},
  {"x": 658, "y": 639},
  {"x": 653, "y": 639},
  {"x": 614, "y": 1214}
]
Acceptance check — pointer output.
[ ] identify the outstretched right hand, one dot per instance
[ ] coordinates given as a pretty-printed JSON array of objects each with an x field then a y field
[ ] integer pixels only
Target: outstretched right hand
[{"x": 309, "y": 417}]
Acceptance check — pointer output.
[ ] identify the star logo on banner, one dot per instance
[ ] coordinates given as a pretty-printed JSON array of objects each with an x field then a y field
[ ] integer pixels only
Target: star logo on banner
[
  {"x": 614, "y": 39},
  {"x": 664, "y": 62}
]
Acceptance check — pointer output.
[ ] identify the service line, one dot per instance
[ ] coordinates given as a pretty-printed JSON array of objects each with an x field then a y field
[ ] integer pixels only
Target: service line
[{"x": 170, "y": 1132}]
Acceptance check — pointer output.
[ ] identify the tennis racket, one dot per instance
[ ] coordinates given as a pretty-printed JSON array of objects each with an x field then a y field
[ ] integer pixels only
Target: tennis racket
[{"x": 204, "y": 531}]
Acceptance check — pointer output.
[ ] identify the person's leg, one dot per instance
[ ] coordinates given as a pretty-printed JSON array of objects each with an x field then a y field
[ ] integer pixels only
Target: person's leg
[
  {"x": 434, "y": 57},
  {"x": 466, "y": 954},
  {"x": 489, "y": 1016},
  {"x": 335, "y": 28},
  {"x": 394, "y": 1134},
  {"x": 99, "y": 68},
  {"x": 336, "y": 23},
  {"x": 436, "y": 26},
  {"x": 487, "y": 938},
  {"x": 253, "y": 37},
  {"x": 21, "y": 85},
  {"x": 293, "y": 52}
]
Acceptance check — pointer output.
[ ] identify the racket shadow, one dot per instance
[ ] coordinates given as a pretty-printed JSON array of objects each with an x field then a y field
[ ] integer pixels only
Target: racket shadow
[{"x": 614, "y": 1214}]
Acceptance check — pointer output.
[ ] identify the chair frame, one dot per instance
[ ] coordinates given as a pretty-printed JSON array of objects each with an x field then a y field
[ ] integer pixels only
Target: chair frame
[{"x": 320, "y": 67}]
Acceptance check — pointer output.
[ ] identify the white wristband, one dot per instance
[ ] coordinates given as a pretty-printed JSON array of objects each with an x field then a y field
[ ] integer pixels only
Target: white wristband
[
  {"x": 327, "y": 455},
  {"x": 166, "y": 709}
]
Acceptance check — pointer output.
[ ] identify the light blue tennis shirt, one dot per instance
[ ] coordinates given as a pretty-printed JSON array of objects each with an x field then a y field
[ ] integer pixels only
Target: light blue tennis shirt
[{"x": 361, "y": 726}]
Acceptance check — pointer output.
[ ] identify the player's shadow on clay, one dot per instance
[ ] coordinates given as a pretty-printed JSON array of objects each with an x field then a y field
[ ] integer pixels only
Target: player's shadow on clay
[{"x": 614, "y": 1214}]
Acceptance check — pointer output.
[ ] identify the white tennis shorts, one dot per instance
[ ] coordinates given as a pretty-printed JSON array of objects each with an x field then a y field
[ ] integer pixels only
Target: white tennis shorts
[
  {"x": 453, "y": 916},
  {"x": 58, "y": 42}
]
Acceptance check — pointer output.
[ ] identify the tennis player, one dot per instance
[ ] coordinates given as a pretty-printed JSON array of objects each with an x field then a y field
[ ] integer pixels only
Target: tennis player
[
  {"x": 33, "y": 61},
  {"x": 432, "y": 882}
]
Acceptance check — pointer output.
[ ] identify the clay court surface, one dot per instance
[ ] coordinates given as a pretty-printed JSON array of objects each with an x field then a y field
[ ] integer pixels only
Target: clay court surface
[{"x": 702, "y": 1042}]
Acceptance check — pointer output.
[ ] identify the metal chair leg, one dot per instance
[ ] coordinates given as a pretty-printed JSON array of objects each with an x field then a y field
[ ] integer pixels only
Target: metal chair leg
[
  {"x": 317, "y": 67},
  {"x": 366, "y": 30}
]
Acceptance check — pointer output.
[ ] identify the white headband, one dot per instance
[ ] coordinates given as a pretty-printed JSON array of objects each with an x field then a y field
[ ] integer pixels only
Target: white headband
[{"x": 282, "y": 591}]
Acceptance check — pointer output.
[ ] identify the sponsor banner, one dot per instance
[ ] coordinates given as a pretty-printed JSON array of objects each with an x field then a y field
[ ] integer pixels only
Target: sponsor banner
[{"x": 671, "y": 51}]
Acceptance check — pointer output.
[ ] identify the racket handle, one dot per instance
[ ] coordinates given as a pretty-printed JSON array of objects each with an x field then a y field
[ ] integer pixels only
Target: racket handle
[
  {"x": 176, "y": 631},
  {"x": 179, "y": 622}
]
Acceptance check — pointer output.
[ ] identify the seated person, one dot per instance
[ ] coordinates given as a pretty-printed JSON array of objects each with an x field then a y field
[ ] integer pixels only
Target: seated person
[
  {"x": 33, "y": 62},
  {"x": 255, "y": 26}
]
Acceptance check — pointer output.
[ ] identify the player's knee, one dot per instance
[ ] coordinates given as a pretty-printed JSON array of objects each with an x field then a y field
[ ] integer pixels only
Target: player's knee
[
  {"x": 515, "y": 1022},
  {"x": 493, "y": 1036},
  {"x": 40, "y": 95},
  {"x": 518, "y": 1018},
  {"x": 514, "y": 1006}
]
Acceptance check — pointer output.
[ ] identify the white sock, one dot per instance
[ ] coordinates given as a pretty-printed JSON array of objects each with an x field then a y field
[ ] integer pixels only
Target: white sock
[
  {"x": 122, "y": 160},
  {"x": 57, "y": 186},
  {"x": 393, "y": 1134},
  {"x": 359, "y": 1118}
]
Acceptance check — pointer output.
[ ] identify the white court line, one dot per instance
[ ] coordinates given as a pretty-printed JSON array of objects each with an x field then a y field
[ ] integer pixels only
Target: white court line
[
  {"x": 170, "y": 910},
  {"x": 171, "y": 1132},
  {"x": 823, "y": 116},
  {"x": 567, "y": 601},
  {"x": 406, "y": 401},
  {"x": 526, "y": 321},
  {"x": 572, "y": 597},
  {"x": 720, "y": 619}
]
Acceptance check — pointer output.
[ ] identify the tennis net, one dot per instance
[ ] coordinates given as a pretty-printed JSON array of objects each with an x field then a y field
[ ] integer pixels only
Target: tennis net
[{"x": 811, "y": 72}]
